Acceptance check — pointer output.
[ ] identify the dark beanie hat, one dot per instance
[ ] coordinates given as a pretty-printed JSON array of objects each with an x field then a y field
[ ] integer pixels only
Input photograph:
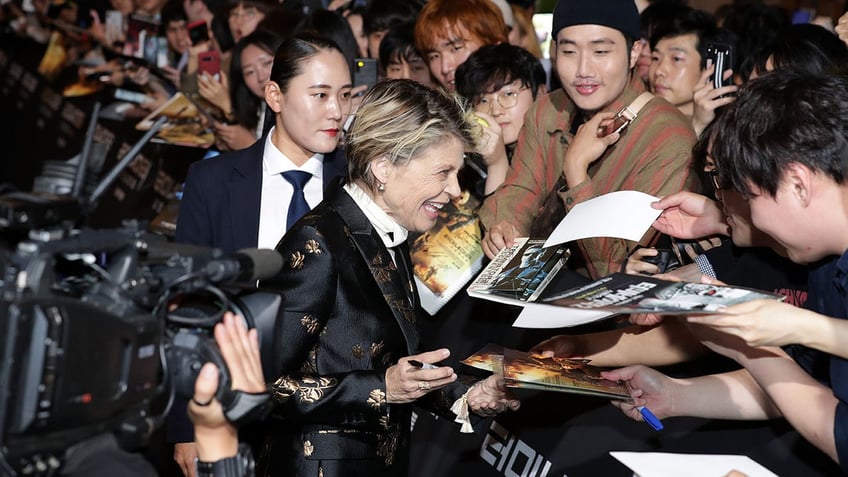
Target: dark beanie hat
[{"x": 619, "y": 14}]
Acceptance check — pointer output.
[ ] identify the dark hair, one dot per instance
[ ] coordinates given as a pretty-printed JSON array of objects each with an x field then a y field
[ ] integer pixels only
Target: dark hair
[
  {"x": 335, "y": 27},
  {"x": 808, "y": 48},
  {"x": 659, "y": 13},
  {"x": 294, "y": 51},
  {"x": 399, "y": 43},
  {"x": 755, "y": 26},
  {"x": 782, "y": 118},
  {"x": 493, "y": 66},
  {"x": 245, "y": 103},
  {"x": 221, "y": 28},
  {"x": 688, "y": 21},
  {"x": 382, "y": 15},
  {"x": 263, "y": 6},
  {"x": 173, "y": 11},
  {"x": 285, "y": 22}
]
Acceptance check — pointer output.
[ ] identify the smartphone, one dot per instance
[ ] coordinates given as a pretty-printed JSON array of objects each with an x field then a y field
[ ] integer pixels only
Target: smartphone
[
  {"x": 198, "y": 32},
  {"x": 617, "y": 125},
  {"x": 365, "y": 72},
  {"x": 720, "y": 55},
  {"x": 209, "y": 62}
]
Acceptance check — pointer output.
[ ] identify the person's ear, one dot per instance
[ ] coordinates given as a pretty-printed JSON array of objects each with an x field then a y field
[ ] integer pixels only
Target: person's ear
[
  {"x": 274, "y": 96},
  {"x": 799, "y": 181},
  {"x": 380, "y": 169},
  {"x": 635, "y": 51}
]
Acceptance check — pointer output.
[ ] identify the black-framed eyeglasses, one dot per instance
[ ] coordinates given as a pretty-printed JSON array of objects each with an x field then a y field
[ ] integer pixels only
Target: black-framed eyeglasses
[{"x": 506, "y": 99}]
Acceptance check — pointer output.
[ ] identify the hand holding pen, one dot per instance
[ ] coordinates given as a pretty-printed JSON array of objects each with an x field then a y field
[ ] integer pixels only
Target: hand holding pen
[
  {"x": 414, "y": 376},
  {"x": 650, "y": 393}
]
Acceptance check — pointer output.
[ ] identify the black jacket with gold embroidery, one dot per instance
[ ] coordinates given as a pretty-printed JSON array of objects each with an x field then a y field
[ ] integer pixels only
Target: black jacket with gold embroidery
[{"x": 349, "y": 314}]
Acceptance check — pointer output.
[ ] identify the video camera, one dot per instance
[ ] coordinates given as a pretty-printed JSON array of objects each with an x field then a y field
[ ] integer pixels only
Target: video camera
[
  {"x": 100, "y": 329},
  {"x": 96, "y": 326}
]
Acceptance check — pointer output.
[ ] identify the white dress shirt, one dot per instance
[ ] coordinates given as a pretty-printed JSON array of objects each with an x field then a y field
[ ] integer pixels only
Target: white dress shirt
[{"x": 277, "y": 191}]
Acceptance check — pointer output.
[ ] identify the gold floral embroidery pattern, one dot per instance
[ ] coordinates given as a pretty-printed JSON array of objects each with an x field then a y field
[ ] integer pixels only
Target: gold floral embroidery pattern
[
  {"x": 310, "y": 366},
  {"x": 284, "y": 388},
  {"x": 312, "y": 246},
  {"x": 376, "y": 398},
  {"x": 296, "y": 260},
  {"x": 357, "y": 351},
  {"x": 311, "y": 323},
  {"x": 376, "y": 349},
  {"x": 387, "y": 443},
  {"x": 409, "y": 316},
  {"x": 382, "y": 275},
  {"x": 377, "y": 261},
  {"x": 312, "y": 390},
  {"x": 308, "y": 448}
]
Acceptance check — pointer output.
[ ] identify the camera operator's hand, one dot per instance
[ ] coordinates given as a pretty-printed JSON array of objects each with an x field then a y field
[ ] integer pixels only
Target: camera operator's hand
[
  {"x": 216, "y": 438},
  {"x": 185, "y": 454}
]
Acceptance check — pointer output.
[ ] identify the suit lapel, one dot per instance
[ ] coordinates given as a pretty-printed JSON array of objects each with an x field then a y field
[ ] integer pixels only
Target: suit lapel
[
  {"x": 245, "y": 196},
  {"x": 397, "y": 289}
]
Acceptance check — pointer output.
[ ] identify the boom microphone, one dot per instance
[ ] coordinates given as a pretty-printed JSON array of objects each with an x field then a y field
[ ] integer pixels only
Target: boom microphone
[{"x": 246, "y": 265}]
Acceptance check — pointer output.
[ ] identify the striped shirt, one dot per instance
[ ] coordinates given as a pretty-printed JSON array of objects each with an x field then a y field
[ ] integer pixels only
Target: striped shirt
[{"x": 652, "y": 156}]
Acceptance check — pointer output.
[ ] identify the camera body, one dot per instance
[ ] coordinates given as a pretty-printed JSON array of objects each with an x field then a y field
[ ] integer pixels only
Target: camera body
[{"x": 97, "y": 328}]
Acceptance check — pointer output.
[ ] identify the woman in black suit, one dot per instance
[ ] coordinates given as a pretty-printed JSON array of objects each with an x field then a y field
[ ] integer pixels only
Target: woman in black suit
[{"x": 349, "y": 338}]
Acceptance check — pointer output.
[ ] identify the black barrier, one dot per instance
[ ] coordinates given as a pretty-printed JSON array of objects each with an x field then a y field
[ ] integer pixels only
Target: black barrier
[{"x": 43, "y": 125}]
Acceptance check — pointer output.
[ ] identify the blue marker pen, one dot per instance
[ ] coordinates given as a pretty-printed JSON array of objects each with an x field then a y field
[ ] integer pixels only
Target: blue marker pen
[{"x": 650, "y": 418}]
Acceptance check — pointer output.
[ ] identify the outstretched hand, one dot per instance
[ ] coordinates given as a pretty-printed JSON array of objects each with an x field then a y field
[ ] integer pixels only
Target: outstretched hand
[
  {"x": 759, "y": 322},
  {"x": 648, "y": 387},
  {"x": 687, "y": 215},
  {"x": 490, "y": 397}
]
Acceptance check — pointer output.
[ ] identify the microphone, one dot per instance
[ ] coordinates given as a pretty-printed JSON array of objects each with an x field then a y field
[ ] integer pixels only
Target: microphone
[{"x": 246, "y": 265}]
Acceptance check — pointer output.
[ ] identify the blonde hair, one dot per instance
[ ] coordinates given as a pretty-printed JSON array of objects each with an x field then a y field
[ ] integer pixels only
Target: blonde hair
[{"x": 399, "y": 118}]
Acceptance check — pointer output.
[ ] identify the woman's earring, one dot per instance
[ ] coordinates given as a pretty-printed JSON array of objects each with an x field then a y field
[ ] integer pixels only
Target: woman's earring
[{"x": 381, "y": 187}]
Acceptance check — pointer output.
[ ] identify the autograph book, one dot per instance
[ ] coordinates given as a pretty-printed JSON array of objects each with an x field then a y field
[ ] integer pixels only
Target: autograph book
[
  {"x": 623, "y": 293},
  {"x": 184, "y": 126},
  {"x": 523, "y": 370},
  {"x": 520, "y": 273},
  {"x": 446, "y": 258}
]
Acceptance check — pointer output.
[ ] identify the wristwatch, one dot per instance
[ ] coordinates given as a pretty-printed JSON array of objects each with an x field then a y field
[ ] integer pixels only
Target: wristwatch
[{"x": 240, "y": 465}]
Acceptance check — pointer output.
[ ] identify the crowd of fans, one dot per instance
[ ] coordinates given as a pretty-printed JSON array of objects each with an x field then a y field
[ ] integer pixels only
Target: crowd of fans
[{"x": 751, "y": 171}]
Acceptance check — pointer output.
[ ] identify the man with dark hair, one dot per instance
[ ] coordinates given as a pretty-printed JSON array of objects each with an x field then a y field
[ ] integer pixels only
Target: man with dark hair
[
  {"x": 560, "y": 161},
  {"x": 678, "y": 56},
  {"x": 783, "y": 145},
  {"x": 399, "y": 59},
  {"x": 501, "y": 82},
  {"x": 382, "y": 15}
]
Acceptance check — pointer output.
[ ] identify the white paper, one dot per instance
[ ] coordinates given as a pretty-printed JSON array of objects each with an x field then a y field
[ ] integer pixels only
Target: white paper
[
  {"x": 539, "y": 315},
  {"x": 660, "y": 464},
  {"x": 625, "y": 214}
]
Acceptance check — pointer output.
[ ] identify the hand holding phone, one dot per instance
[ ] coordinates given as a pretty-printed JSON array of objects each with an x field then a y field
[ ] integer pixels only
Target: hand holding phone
[
  {"x": 721, "y": 56},
  {"x": 209, "y": 62}
]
